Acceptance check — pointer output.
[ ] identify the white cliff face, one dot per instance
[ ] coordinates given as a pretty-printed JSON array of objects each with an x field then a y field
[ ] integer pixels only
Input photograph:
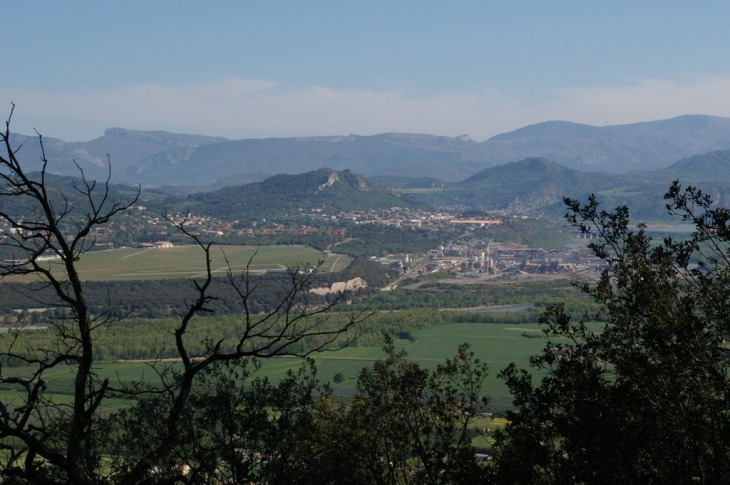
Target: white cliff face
[
  {"x": 331, "y": 179},
  {"x": 361, "y": 185},
  {"x": 341, "y": 287}
]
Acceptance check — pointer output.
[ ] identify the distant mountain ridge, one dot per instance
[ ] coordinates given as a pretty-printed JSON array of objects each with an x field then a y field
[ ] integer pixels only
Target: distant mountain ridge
[
  {"x": 621, "y": 148},
  {"x": 708, "y": 165},
  {"x": 161, "y": 158},
  {"x": 618, "y": 148},
  {"x": 538, "y": 185},
  {"x": 124, "y": 147},
  {"x": 529, "y": 185},
  {"x": 208, "y": 163}
]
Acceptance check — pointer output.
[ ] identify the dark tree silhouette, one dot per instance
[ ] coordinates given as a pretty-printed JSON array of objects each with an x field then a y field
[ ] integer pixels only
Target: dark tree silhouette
[
  {"x": 644, "y": 397},
  {"x": 44, "y": 441}
]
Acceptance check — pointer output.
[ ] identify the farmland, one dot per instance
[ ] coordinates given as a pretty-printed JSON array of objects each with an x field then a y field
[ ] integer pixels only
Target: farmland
[
  {"x": 189, "y": 262},
  {"x": 497, "y": 344}
]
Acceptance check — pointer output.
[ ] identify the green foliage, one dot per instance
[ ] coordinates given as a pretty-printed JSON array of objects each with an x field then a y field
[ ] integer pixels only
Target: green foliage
[
  {"x": 439, "y": 295},
  {"x": 535, "y": 233},
  {"x": 323, "y": 189},
  {"x": 406, "y": 425},
  {"x": 134, "y": 339},
  {"x": 646, "y": 399},
  {"x": 374, "y": 240},
  {"x": 236, "y": 428},
  {"x": 158, "y": 298}
]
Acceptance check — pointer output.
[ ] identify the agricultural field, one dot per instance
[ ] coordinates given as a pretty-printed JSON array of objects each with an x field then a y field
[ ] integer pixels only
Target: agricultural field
[
  {"x": 189, "y": 262},
  {"x": 497, "y": 344},
  {"x": 626, "y": 191}
]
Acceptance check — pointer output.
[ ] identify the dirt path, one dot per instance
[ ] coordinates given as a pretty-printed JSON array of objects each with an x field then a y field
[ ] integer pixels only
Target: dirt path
[{"x": 332, "y": 268}]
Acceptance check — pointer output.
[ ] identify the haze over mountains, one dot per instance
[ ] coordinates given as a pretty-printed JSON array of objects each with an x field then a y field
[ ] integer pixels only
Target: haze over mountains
[
  {"x": 531, "y": 186},
  {"x": 125, "y": 148},
  {"x": 538, "y": 185},
  {"x": 161, "y": 158}
]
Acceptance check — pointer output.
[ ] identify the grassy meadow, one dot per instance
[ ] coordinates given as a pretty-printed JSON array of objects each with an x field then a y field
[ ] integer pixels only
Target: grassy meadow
[
  {"x": 497, "y": 344},
  {"x": 189, "y": 262}
]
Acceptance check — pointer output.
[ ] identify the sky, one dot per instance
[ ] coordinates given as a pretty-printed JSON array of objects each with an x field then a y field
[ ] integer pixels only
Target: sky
[{"x": 270, "y": 69}]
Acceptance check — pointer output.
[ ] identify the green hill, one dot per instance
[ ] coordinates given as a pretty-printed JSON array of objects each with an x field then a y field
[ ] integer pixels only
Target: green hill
[
  {"x": 528, "y": 185},
  {"x": 324, "y": 189},
  {"x": 65, "y": 190},
  {"x": 539, "y": 185},
  {"x": 708, "y": 166}
]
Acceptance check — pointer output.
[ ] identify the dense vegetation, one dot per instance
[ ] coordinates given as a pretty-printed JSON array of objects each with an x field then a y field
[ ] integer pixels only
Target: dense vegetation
[
  {"x": 647, "y": 400},
  {"x": 535, "y": 233},
  {"x": 377, "y": 240},
  {"x": 437, "y": 295},
  {"x": 133, "y": 339},
  {"x": 322, "y": 189},
  {"x": 160, "y": 298}
]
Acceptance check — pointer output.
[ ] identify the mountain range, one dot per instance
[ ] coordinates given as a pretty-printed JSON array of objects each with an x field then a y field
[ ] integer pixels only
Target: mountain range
[
  {"x": 529, "y": 186},
  {"x": 538, "y": 185},
  {"x": 161, "y": 158},
  {"x": 125, "y": 148}
]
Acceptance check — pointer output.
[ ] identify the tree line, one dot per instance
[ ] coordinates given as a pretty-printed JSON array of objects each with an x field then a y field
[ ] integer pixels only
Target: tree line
[{"x": 160, "y": 298}]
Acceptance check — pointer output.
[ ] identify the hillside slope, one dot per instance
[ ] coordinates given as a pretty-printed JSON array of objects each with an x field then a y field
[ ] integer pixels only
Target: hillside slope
[
  {"x": 324, "y": 189},
  {"x": 619, "y": 148},
  {"x": 125, "y": 148},
  {"x": 537, "y": 185},
  {"x": 161, "y": 158},
  {"x": 528, "y": 185},
  {"x": 710, "y": 166},
  {"x": 209, "y": 163}
]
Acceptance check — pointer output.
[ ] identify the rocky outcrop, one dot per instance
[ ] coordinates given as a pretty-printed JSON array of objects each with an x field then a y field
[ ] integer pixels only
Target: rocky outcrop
[{"x": 341, "y": 287}]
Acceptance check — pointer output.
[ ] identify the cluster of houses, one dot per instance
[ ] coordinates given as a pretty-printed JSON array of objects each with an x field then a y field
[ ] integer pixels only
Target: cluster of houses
[
  {"x": 210, "y": 226},
  {"x": 398, "y": 217}
]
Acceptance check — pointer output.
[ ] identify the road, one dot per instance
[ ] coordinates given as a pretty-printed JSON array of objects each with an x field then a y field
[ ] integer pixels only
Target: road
[{"x": 411, "y": 273}]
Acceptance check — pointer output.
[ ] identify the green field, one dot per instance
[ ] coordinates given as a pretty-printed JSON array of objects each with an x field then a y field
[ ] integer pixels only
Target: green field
[
  {"x": 189, "y": 262},
  {"x": 497, "y": 344},
  {"x": 626, "y": 191}
]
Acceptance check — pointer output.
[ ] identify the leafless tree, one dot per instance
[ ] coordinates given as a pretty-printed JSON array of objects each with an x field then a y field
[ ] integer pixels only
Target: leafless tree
[
  {"x": 273, "y": 333},
  {"x": 47, "y": 442}
]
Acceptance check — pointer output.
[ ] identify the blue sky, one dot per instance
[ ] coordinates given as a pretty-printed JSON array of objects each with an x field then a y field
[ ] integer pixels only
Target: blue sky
[{"x": 261, "y": 69}]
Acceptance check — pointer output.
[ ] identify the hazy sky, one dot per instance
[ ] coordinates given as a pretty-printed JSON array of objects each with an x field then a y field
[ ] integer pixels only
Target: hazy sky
[{"x": 261, "y": 69}]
